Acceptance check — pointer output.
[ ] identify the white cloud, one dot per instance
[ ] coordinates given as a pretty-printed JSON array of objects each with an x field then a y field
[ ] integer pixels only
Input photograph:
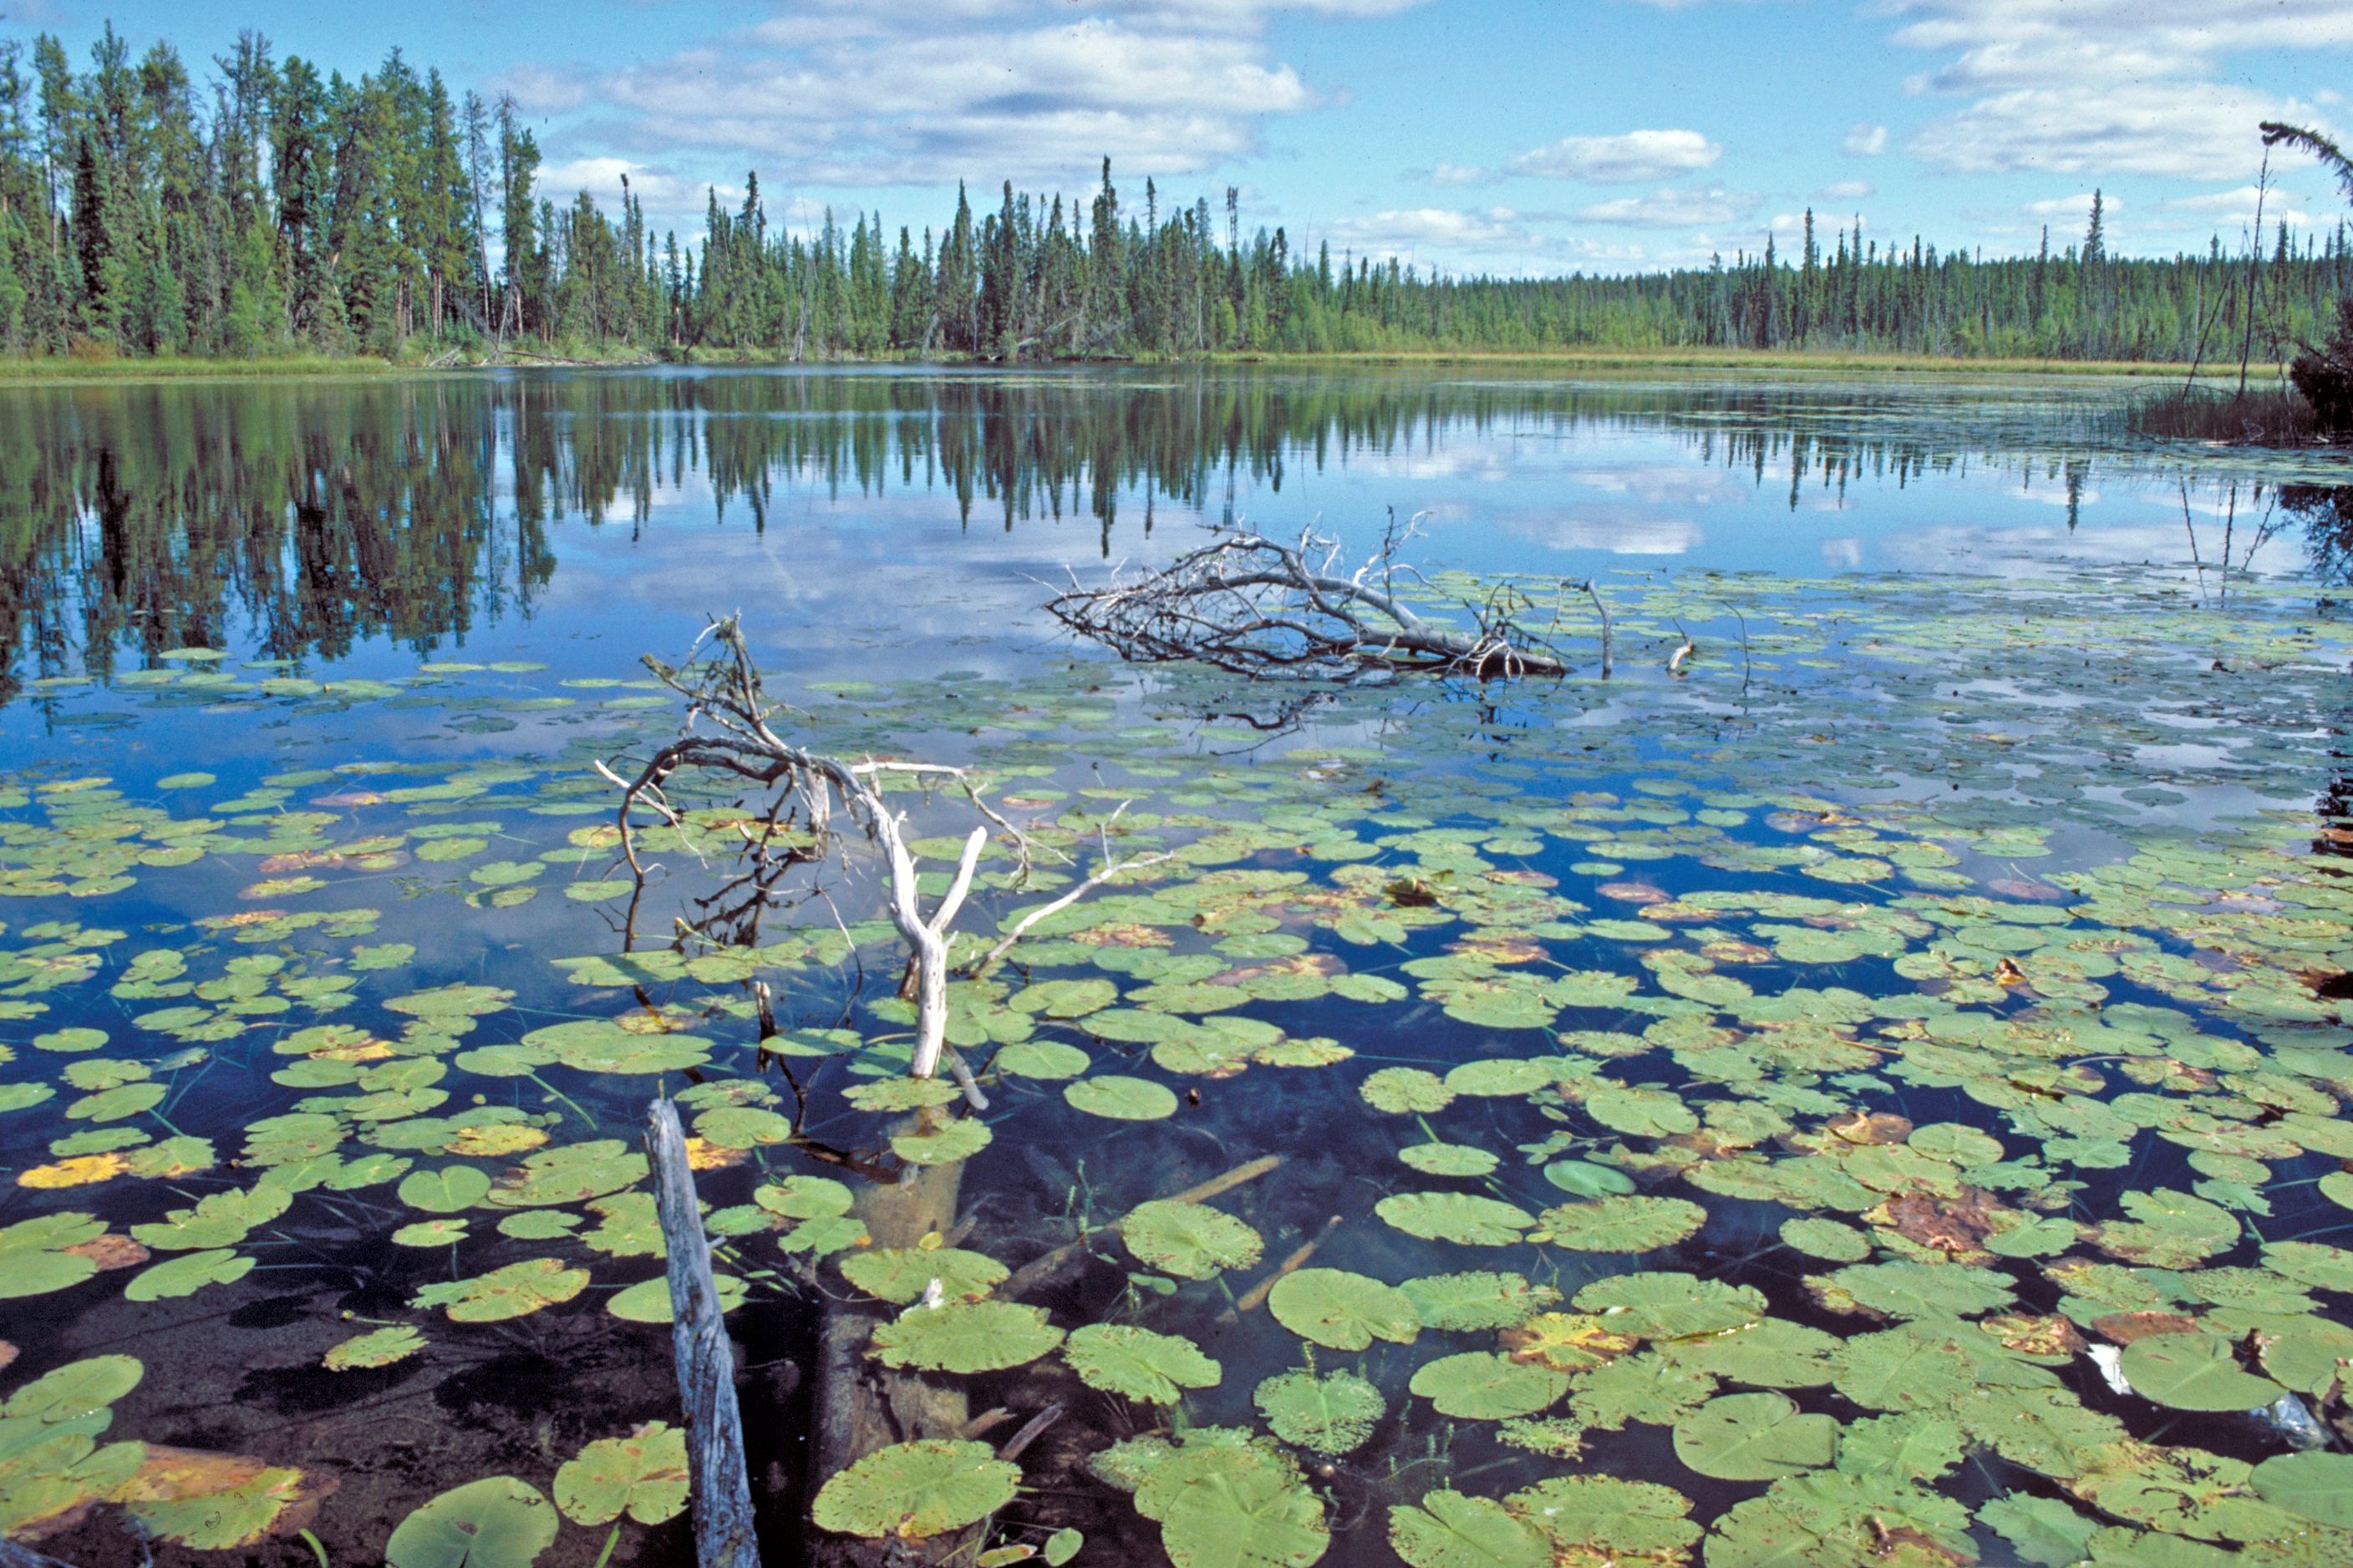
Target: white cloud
[
  {"x": 1866, "y": 141},
  {"x": 1456, "y": 174},
  {"x": 1410, "y": 232},
  {"x": 2236, "y": 208},
  {"x": 601, "y": 178},
  {"x": 1671, "y": 209},
  {"x": 1626, "y": 159},
  {"x": 864, "y": 92},
  {"x": 2077, "y": 208},
  {"x": 1848, "y": 191},
  {"x": 2100, "y": 86}
]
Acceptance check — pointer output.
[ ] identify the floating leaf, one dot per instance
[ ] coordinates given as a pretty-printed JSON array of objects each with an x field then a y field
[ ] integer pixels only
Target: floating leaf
[
  {"x": 515, "y": 1292},
  {"x": 1665, "y": 1306},
  {"x": 643, "y": 1475},
  {"x": 1480, "y": 1386},
  {"x": 647, "y": 1300},
  {"x": 1463, "y": 1218},
  {"x": 450, "y": 1190},
  {"x": 1136, "y": 1364},
  {"x": 496, "y": 1523},
  {"x": 1451, "y": 1530},
  {"x": 1471, "y": 1301},
  {"x": 1233, "y": 1505},
  {"x": 1753, "y": 1437},
  {"x": 378, "y": 1347},
  {"x": 1121, "y": 1099},
  {"x": 902, "y": 1274},
  {"x": 915, "y": 1490},
  {"x": 966, "y": 1337},
  {"x": 1346, "y": 1312},
  {"x": 1622, "y": 1224},
  {"x": 1192, "y": 1241},
  {"x": 187, "y": 1274},
  {"x": 1333, "y": 1414},
  {"x": 2316, "y": 1486},
  {"x": 2194, "y": 1372},
  {"x": 75, "y": 1389}
]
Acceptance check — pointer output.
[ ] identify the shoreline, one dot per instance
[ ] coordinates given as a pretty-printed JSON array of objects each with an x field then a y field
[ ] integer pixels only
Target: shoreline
[{"x": 31, "y": 372}]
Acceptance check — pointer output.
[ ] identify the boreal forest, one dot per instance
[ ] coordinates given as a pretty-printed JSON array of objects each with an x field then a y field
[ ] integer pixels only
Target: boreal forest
[{"x": 252, "y": 204}]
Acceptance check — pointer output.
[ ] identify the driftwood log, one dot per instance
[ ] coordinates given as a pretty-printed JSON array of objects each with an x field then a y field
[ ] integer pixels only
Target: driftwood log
[
  {"x": 1257, "y": 606},
  {"x": 719, "y": 1489}
]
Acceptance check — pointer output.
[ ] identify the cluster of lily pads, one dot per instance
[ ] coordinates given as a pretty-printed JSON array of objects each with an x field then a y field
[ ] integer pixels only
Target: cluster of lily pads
[{"x": 1897, "y": 1060}]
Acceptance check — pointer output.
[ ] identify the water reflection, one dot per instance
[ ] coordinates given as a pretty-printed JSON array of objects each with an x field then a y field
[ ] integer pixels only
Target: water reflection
[{"x": 308, "y": 519}]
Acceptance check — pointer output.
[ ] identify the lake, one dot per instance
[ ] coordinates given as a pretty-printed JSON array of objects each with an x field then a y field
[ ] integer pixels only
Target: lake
[{"x": 1851, "y": 1073}]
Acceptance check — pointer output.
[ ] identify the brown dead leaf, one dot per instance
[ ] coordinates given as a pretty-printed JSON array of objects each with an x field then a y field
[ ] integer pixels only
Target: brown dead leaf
[
  {"x": 1870, "y": 1127},
  {"x": 2124, "y": 1328},
  {"x": 2030, "y": 1333},
  {"x": 112, "y": 1250}
]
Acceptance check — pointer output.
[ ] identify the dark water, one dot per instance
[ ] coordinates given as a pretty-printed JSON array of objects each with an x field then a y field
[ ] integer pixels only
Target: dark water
[{"x": 1968, "y": 658}]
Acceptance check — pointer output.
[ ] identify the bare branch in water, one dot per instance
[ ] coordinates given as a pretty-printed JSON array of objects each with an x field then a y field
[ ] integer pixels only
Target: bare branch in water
[
  {"x": 804, "y": 792},
  {"x": 1253, "y": 605}
]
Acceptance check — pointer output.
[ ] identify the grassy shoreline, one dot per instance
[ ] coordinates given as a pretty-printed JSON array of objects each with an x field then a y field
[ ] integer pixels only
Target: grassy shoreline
[{"x": 43, "y": 372}]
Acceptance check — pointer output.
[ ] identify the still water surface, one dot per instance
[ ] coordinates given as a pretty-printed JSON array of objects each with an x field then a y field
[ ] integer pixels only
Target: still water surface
[{"x": 1996, "y": 824}]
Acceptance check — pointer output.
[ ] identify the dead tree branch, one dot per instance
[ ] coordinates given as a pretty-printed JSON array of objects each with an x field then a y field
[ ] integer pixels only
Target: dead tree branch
[
  {"x": 806, "y": 793},
  {"x": 1253, "y": 605}
]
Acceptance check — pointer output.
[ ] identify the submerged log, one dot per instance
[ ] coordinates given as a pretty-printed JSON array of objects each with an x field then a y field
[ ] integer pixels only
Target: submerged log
[
  {"x": 720, "y": 1490},
  {"x": 863, "y": 1407}
]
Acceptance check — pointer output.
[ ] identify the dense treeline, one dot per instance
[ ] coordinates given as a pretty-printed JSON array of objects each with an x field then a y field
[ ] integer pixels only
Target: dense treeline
[{"x": 278, "y": 209}]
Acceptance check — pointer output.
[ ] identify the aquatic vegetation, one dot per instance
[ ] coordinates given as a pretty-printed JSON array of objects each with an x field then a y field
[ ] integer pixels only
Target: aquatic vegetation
[{"x": 1882, "y": 1073}]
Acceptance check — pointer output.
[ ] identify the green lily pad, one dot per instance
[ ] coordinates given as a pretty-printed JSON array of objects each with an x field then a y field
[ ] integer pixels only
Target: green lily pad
[
  {"x": 647, "y": 1300},
  {"x": 1753, "y": 1437},
  {"x": 1462, "y": 1217},
  {"x": 1192, "y": 1241},
  {"x": 2194, "y": 1372},
  {"x": 1121, "y": 1099},
  {"x": 515, "y": 1292},
  {"x": 643, "y": 1475},
  {"x": 916, "y": 1490},
  {"x": 966, "y": 1337},
  {"x": 901, "y": 1274},
  {"x": 496, "y": 1523},
  {"x": 378, "y": 1347},
  {"x": 1138, "y": 1365},
  {"x": 2314, "y": 1486},
  {"x": 1346, "y": 1312},
  {"x": 1477, "y": 1301},
  {"x": 1451, "y": 1530},
  {"x": 450, "y": 1190},
  {"x": 1480, "y": 1386},
  {"x": 1622, "y": 1224},
  {"x": 1333, "y": 1414},
  {"x": 187, "y": 1274}
]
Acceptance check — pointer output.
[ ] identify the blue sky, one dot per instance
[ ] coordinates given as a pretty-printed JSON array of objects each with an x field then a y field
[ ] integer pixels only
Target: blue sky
[{"x": 1477, "y": 135}]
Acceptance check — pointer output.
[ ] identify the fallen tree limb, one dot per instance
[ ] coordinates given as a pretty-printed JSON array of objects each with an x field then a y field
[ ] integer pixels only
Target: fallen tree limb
[{"x": 1256, "y": 607}]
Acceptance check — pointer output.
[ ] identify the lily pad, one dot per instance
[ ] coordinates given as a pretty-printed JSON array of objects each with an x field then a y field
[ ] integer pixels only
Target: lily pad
[
  {"x": 966, "y": 1337},
  {"x": 1345, "y": 1311},
  {"x": 1753, "y": 1437},
  {"x": 1333, "y": 1414},
  {"x": 499, "y": 1522},
  {"x": 1138, "y": 1365},
  {"x": 1480, "y": 1386},
  {"x": 643, "y": 1475},
  {"x": 2194, "y": 1372},
  {"x": 916, "y": 1490},
  {"x": 1192, "y": 1241}
]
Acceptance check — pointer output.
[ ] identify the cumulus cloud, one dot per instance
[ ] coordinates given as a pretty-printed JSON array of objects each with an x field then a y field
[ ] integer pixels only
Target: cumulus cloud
[
  {"x": 1405, "y": 231},
  {"x": 2077, "y": 207},
  {"x": 869, "y": 92},
  {"x": 2094, "y": 86},
  {"x": 601, "y": 177},
  {"x": 1456, "y": 174},
  {"x": 1671, "y": 209},
  {"x": 1866, "y": 141},
  {"x": 1848, "y": 191},
  {"x": 1630, "y": 158},
  {"x": 2236, "y": 208}
]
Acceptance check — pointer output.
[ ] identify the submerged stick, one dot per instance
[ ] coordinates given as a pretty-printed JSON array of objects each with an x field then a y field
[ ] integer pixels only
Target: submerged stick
[
  {"x": 14, "y": 1556},
  {"x": 1038, "y": 1270},
  {"x": 721, "y": 1492},
  {"x": 1255, "y": 1297}
]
